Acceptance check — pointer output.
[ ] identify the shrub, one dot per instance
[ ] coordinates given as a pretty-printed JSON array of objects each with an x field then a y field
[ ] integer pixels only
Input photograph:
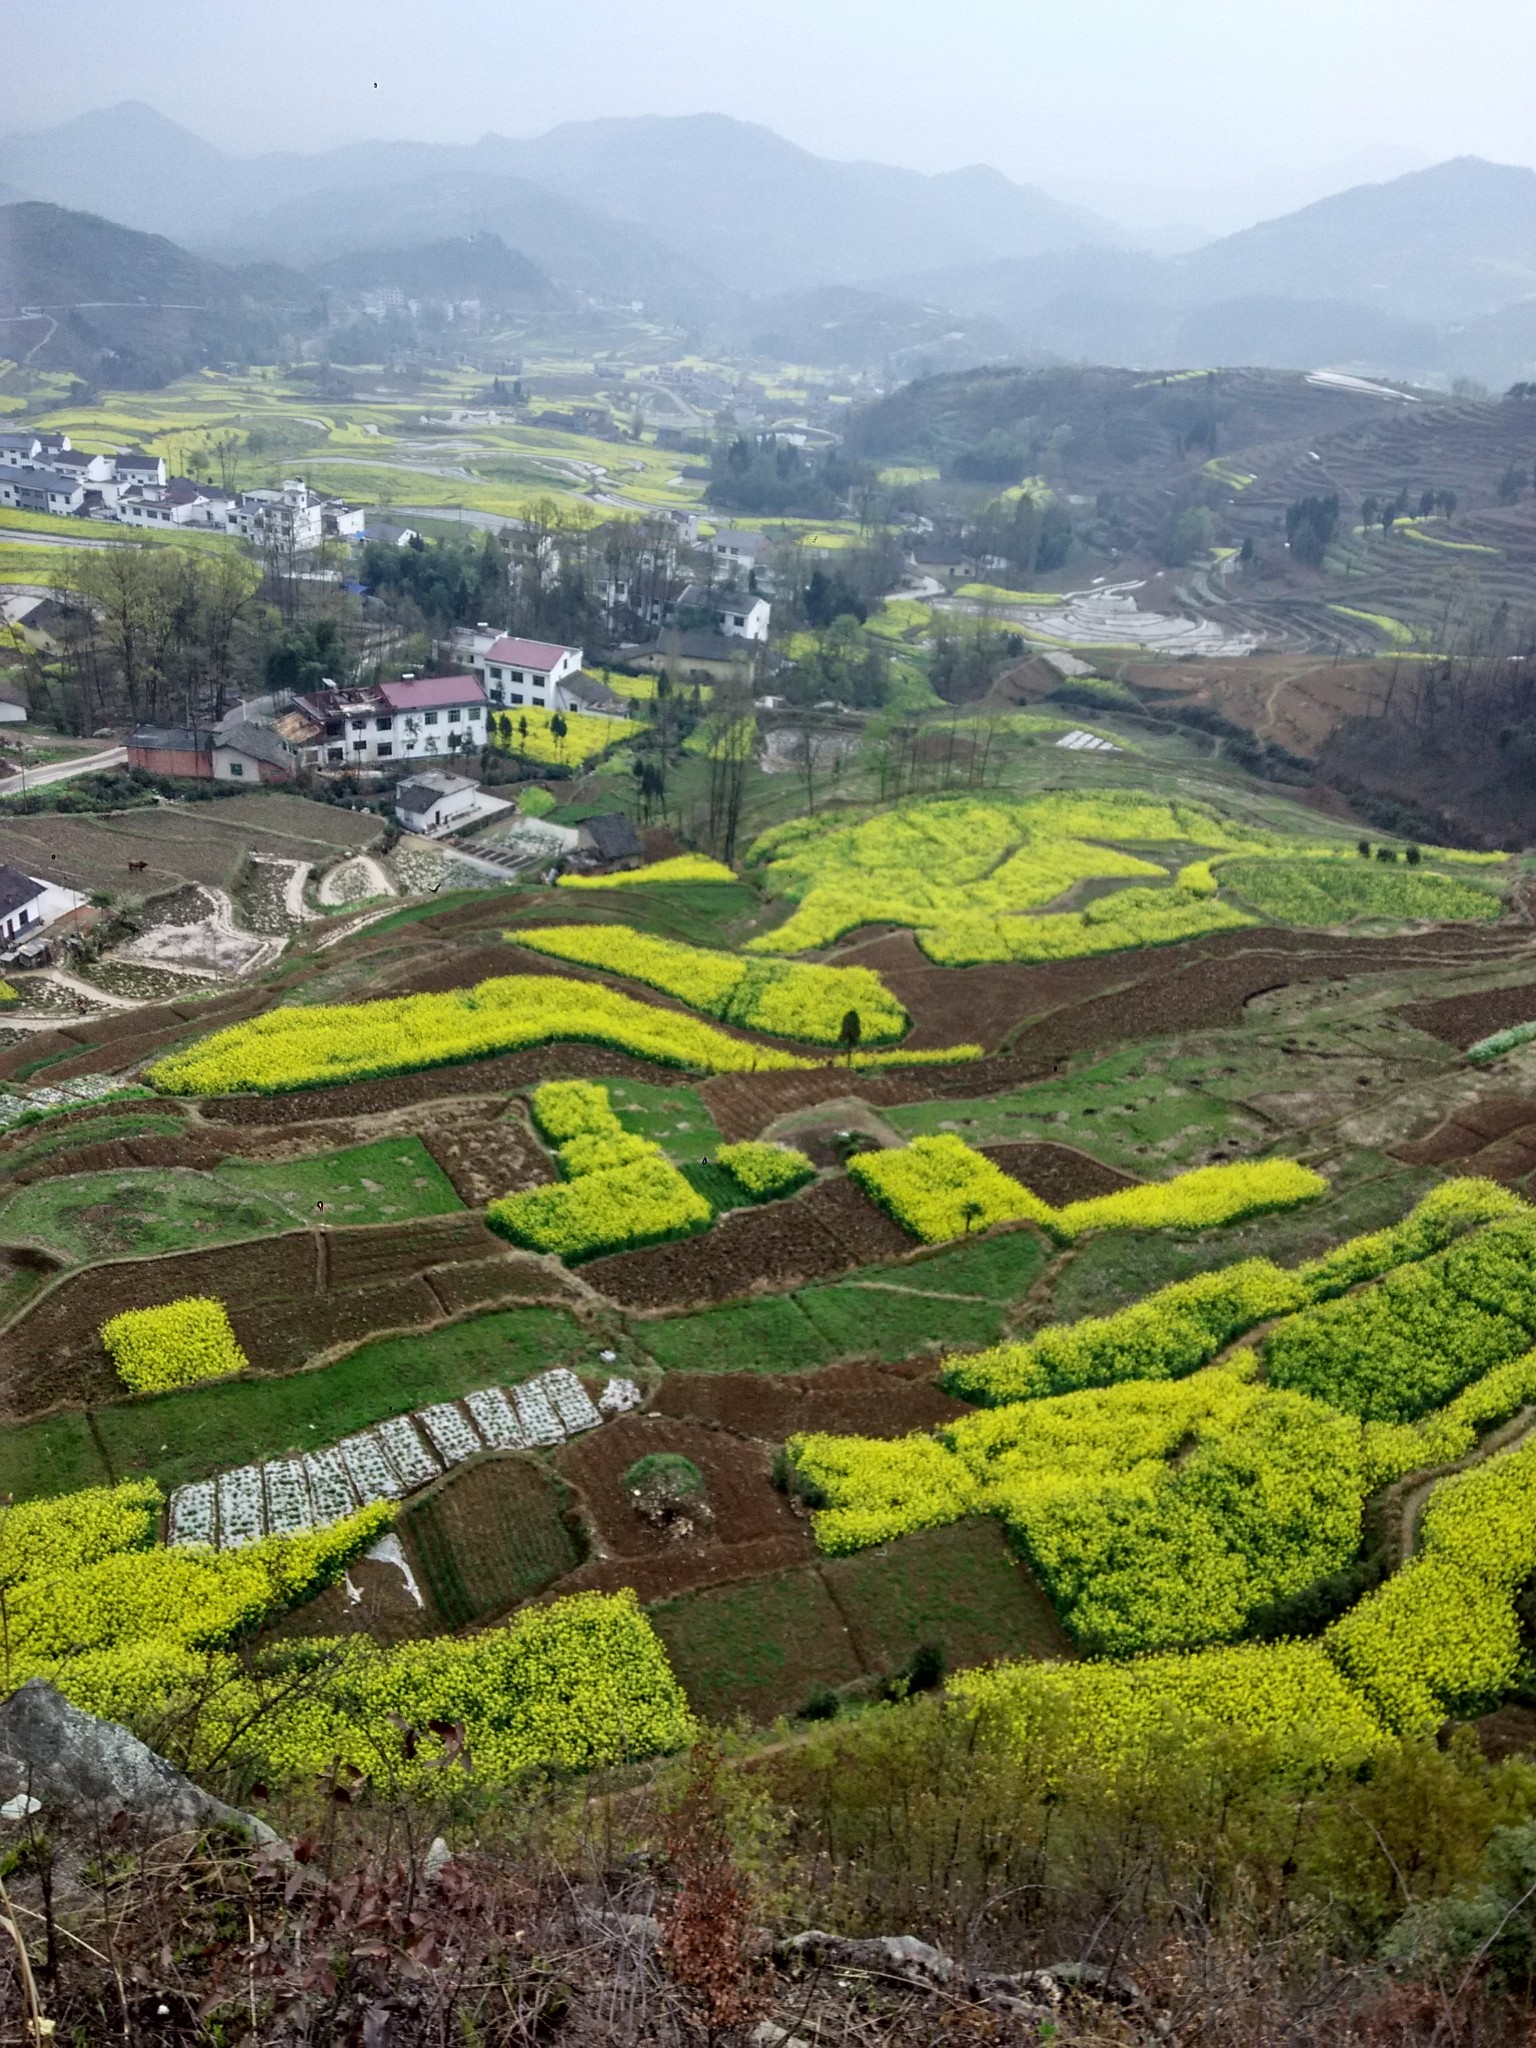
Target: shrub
[
  {"x": 764, "y": 1171},
  {"x": 173, "y": 1346},
  {"x": 1500, "y": 1042},
  {"x": 939, "y": 1188},
  {"x": 535, "y": 802},
  {"x": 664, "y": 1472}
]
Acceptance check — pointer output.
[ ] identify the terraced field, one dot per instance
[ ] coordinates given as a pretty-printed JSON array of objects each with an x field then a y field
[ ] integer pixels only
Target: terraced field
[{"x": 1056, "y": 1214}]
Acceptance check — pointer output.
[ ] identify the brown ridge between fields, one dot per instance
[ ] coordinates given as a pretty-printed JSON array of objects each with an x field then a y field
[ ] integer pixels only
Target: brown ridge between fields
[{"x": 293, "y": 1299}]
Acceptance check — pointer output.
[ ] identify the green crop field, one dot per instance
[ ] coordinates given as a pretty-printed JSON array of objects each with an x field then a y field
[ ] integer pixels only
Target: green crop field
[
  {"x": 1141, "y": 1111},
  {"x": 760, "y": 1649},
  {"x": 140, "y": 1212},
  {"x": 958, "y": 1589},
  {"x": 677, "y": 1118},
  {"x": 490, "y": 1536},
  {"x": 173, "y": 1438}
]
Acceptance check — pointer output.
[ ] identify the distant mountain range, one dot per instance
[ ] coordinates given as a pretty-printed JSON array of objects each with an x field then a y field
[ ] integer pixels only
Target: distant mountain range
[
  {"x": 81, "y": 293},
  {"x": 731, "y": 199},
  {"x": 725, "y": 227}
]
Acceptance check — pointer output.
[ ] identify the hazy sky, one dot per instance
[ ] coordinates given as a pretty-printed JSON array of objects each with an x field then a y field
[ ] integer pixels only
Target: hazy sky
[{"x": 1144, "y": 98}]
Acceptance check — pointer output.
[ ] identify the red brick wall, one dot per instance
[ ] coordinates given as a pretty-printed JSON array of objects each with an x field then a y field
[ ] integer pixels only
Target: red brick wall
[{"x": 171, "y": 761}]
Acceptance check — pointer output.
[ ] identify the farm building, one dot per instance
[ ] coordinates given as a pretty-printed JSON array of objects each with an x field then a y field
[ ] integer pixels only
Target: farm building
[
  {"x": 28, "y": 906},
  {"x": 429, "y": 803},
  {"x": 609, "y": 842},
  {"x": 237, "y": 752}
]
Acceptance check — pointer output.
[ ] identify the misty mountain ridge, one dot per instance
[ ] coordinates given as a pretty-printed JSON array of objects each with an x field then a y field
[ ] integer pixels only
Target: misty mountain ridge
[
  {"x": 730, "y": 197},
  {"x": 118, "y": 305},
  {"x": 476, "y": 266},
  {"x": 724, "y": 226}
]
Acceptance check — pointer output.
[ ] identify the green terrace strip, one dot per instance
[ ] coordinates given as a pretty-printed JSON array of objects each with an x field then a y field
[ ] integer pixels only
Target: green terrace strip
[
  {"x": 786, "y": 1000},
  {"x": 1328, "y": 892}
]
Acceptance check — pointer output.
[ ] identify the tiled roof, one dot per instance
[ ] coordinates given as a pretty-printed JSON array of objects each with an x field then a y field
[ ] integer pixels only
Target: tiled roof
[
  {"x": 431, "y": 693},
  {"x": 16, "y": 889},
  {"x": 542, "y": 654}
]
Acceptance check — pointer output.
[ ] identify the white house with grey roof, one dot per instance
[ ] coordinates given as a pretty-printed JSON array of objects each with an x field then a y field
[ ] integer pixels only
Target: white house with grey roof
[
  {"x": 28, "y": 906},
  {"x": 41, "y": 490},
  {"x": 433, "y": 802}
]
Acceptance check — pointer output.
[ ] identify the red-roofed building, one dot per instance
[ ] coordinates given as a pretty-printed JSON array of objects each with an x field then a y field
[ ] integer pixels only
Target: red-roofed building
[
  {"x": 518, "y": 671},
  {"x": 405, "y": 721},
  {"x": 434, "y": 693}
]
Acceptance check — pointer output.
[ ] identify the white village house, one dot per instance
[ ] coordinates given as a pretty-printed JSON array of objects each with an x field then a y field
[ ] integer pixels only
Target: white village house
[
  {"x": 415, "y": 718},
  {"x": 734, "y": 614},
  {"x": 429, "y": 803},
  {"x": 27, "y": 905},
  {"x": 517, "y": 671}
]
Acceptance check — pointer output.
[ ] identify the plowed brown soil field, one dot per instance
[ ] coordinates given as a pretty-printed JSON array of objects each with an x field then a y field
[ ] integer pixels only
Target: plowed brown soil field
[
  {"x": 290, "y": 1298},
  {"x": 1462, "y": 1020}
]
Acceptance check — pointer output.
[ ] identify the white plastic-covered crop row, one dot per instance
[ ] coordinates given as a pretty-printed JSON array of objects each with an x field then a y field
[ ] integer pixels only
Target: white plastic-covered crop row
[{"x": 284, "y": 1495}]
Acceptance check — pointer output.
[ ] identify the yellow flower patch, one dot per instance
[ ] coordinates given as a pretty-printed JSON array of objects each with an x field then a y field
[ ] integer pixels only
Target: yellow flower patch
[
  {"x": 684, "y": 867},
  {"x": 311, "y": 1046},
  {"x": 174, "y": 1346}
]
